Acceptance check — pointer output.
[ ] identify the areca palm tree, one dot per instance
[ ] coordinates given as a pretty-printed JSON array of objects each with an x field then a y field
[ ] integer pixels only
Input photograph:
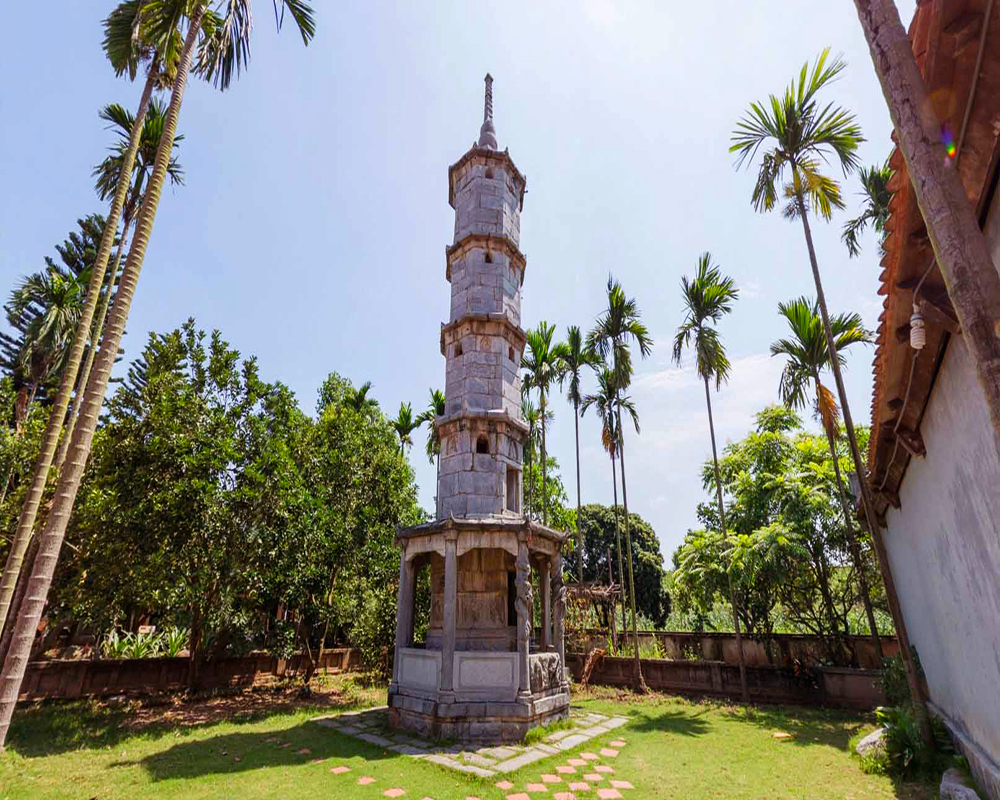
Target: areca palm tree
[
  {"x": 603, "y": 402},
  {"x": 359, "y": 400},
  {"x": 577, "y": 357},
  {"x": 435, "y": 408},
  {"x": 544, "y": 363},
  {"x": 875, "y": 190},
  {"x": 708, "y": 297},
  {"x": 405, "y": 424},
  {"x": 617, "y": 328},
  {"x": 807, "y": 356},
  {"x": 224, "y": 51},
  {"x": 108, "y": 174}
]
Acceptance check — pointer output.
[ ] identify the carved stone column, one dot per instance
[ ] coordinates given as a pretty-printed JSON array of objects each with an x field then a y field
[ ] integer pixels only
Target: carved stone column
[
  {"x": 558, "y": 611},
  {"x": 544, "y": 571},
  {"x": 524, "y": 609},
  {"x": 401, "y": 609},
  {"x": 450, "y": 615}
]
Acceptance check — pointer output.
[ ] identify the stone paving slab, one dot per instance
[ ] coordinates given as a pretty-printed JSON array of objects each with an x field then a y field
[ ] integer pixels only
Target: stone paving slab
[{"x": 371, "y": 726}]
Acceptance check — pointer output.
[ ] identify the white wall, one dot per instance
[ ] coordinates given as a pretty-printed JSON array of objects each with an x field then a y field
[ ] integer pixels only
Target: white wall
[{"x": 944, "y": 551}]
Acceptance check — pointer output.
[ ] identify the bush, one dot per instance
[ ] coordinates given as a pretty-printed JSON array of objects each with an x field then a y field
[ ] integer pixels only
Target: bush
[
  {"x": 904, "y": 753},
  {"x": 894, "y": 682},
  {"x": 374, "y": 629}
]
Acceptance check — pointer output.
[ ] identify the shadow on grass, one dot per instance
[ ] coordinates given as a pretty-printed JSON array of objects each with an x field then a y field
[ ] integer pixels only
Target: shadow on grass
[
  {"x": 806, "y": 726},
  {"x": 234, "y": 753},
  {"x": 682, "y": 723}
]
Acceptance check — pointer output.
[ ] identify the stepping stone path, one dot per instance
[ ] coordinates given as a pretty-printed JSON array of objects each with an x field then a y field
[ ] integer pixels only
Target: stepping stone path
[
  {"x": 393, "y": 793},
  {"x": 364, "y": 781}
]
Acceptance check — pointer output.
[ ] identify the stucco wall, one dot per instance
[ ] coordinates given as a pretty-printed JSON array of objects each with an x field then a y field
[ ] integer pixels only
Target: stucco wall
[{"x": 944, "y": 550}]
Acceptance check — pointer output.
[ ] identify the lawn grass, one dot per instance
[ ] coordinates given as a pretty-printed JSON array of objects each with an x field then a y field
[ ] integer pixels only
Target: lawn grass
[{"x": 675, "y": 749}]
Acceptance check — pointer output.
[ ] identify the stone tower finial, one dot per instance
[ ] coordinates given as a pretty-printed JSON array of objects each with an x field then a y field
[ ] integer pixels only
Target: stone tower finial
[{"x": 487, "y": 133}]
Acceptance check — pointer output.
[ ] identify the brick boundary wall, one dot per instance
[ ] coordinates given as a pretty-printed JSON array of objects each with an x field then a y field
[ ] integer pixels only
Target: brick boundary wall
[
  {"x": 67, "y": 679},
  {"x": 824, "y": 686}
]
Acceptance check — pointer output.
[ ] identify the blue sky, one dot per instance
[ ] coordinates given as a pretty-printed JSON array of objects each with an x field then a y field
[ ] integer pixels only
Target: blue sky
[{"x": 313, "y": 224}]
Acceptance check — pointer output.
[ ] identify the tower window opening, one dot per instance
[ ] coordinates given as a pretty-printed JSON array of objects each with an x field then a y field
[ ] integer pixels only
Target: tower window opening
[
  {"x": 510, "y": 353},
  {"x": 511, "y": 597},
  {"x": 512, "y": 504},
  {"x": 489, "y": 257},
  {"x": 483, "y": 445},
  {"x": 458, "y": 349},
  {"x": 489, "y": 173}
]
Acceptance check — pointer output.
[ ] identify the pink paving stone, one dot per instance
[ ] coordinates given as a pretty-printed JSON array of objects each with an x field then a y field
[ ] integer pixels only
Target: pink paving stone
[
  {"x": 518, "y": 796},
  {"x": 564, "y": 796},
  {"x": 505, "y": 785},
  {"x": 579, "y": 786},
  {"x": 564, "y": 770},
  {"x": 365, "y": 780},
  {"x": 393, "y": 793},
  {"x": 608, "y": 794},
  {"x": 340, "y": 770},
  {"x": 617, "y": 743},
  {"x": 622, "y": 785},
  {"x": 470, "y": 797},
  {"x": 608, "y": 753},
  {"x": 590, "y": 756},
  {"x": 603, "y": 768},
  {"x": 577, "y": 762},
  {"x": 593, "y": 777},
  {"x": 551, "y": 779},
  {"x": 536, "y": 788}
]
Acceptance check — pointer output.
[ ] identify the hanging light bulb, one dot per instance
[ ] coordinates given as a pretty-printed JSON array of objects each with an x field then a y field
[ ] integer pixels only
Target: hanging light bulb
[{"x": 918, "y": 333}]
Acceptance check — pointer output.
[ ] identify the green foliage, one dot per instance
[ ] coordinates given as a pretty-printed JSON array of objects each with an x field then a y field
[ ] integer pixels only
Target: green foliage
[
  {"x": 904, "y": 753},
  {"x": 894, "y": 681},
  {"x": 170, "y": 643}
]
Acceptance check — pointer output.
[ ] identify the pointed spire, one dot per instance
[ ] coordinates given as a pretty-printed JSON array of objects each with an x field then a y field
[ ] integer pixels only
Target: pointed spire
[{"x": 487, "y": 133}]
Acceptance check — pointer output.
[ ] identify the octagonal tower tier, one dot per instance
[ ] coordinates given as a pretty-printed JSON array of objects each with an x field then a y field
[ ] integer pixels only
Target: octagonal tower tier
[{"x": 482, "y": 673}]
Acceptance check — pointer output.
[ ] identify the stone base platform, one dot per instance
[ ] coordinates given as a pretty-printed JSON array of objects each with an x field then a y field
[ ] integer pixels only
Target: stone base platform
[{"x": 480, "y": 722}]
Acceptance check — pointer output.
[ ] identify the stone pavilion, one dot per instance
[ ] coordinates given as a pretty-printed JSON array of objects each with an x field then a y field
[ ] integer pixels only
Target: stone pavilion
[{"x": 484, "y": 673}]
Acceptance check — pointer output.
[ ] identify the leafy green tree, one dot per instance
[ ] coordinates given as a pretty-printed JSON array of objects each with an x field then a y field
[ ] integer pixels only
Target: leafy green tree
[
  {"x": 617, "y": 328},
  {"x": 577, "y": 357},
  {"x": 359, "y": 400},
  {"x": 875, "y": 210},
  {"x": 544, "y": 363},
  {"x": 225, "y": 51},
  {"x": 707, "y": 299},
  {"x": 808, "y": 356},
  {"x": 561, "y": 518},
  {"x": 602, "y": 530}
]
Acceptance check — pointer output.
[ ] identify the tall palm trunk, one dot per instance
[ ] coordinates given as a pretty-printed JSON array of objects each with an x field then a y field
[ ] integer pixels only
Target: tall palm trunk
[
  {"x": 579, "y": 527},
  {"x": 545, "y": 505},
  {"x": 852, "y": 539},
  {"x": 95, "y": 337},
  {"x": 639, "y": 684},
  {"x": 916, "y": 689},
  {"x": 39, "y": 478},
  {"x": 959, "y": 245},
  {"x": 744, "y": 690},
  {"x": 618, "y": 543},
  {"x": 69, "y": 481}
]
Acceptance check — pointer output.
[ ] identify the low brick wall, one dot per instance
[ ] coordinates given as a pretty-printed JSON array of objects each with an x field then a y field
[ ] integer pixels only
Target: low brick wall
[
  {"x": 785, "y": 647},
  {"x": 827, "y": 686},
  {"x": 69, "y": 679}
]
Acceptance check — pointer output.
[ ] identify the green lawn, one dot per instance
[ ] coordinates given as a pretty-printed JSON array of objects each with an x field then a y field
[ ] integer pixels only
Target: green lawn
[{"x": 232, "y": 748}]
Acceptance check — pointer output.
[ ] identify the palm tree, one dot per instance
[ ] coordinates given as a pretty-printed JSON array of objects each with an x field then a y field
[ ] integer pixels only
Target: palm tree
[
  {"x": 108, "y": 173},
  {"x": 544, "y": 363},
  {"x": 435, "y": 408},
  {"x": 604, "y": 401},
  {"x": 405, "y": 424},
  {"x": 875, "y": 186},
  {"x": 616, "y": 329},
  {"x": 225, "y": 51},
  {"x": 577, "y": 357},
  {"x": 707, "y": 299},
  {"x": 801, "y": 133},
  {"x": 530, "y": 415},
  {"x": 808, "y": 356},
  {"x": 359, "y": 400}
]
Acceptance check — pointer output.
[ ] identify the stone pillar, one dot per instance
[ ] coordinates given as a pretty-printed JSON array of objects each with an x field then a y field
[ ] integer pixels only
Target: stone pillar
[
  {"x": 450, "y": 615},
  {"x": 558, "y": 611},
  {"x": 524, "y": 609},
  {"x": 544, "y": 570},
  {"x": 401, "y": 610}
]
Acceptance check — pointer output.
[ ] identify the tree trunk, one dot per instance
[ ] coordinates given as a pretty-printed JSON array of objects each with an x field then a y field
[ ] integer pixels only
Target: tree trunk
[
  {"x": 618, "y": 542},
  {"x": 579, "y": 527},
  {"x": 639, "y": 684},
  {"x": 744, "y": 690},
  {"x": 852, "y": 540},
  {"x": 95, "y": 337},
  {"x": 545, "y": 505},
  {"x": 69, "y": 481},
  {"x": 916, "y": 690},
  {"x": 18, "y": 599},
  {"x": 959, "y": 245},
  {"x": 40, "y": 477}
]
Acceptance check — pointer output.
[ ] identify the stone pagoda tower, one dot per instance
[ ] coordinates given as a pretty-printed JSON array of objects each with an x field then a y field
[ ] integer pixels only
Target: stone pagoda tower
[{"x": 482, "y": 672}]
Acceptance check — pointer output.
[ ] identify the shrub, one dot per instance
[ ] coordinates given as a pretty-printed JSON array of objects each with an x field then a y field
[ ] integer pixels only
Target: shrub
[
  {"x": 904, "y": 753},
  {"x": 894, "y": 682},
  {"x": 374, "y": 629}
]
